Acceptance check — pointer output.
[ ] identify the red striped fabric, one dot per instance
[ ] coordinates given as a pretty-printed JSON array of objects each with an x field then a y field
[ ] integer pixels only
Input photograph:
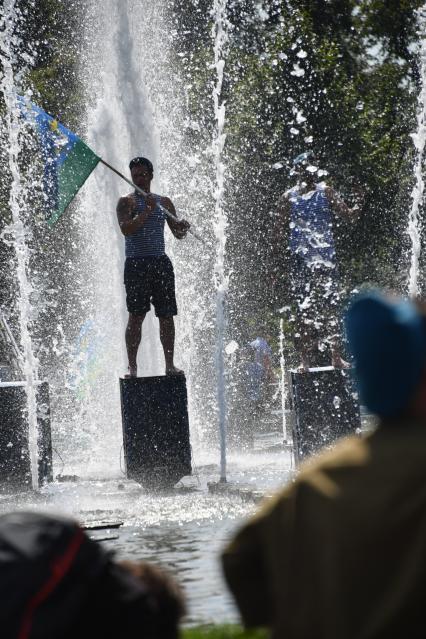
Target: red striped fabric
[{"x": 60, "y": 567}]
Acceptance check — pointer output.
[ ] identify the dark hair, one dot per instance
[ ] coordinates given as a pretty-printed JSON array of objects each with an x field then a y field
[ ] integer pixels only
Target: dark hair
[{"x": 141, "y": 162}]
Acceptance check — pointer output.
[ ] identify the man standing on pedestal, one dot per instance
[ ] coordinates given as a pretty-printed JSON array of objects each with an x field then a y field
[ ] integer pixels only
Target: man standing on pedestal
[
  {"x": 148, "y": 272},
  {"x": 304, "y": 231}
]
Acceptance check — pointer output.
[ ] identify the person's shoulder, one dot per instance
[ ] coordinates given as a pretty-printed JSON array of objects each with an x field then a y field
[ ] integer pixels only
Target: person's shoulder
[
  {"x": 351, "y": 451},
  {"x": 266, "y": 347},
  {"x": 261, "y": 343},
  {"x": 128, "y": 196},
  {"x": 292, "y": 193},
  {"x": 325, "y": 188},
  {"x": 320, "y": 476},
  {"x": 125, "y": 203},
  {"x": 167, "y": 204},
  {"x": 285, "y": 198}
]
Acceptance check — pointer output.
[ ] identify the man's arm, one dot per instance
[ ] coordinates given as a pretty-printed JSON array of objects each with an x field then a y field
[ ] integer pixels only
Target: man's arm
[
  {"x": 340, "y": 207},
  {"x": 128, "y": 222},
  {"x": 179, "y": 228}
]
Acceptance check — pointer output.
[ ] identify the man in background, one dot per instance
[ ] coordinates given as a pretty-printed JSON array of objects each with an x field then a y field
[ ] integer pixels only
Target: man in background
[
  {"x": 258, "y": 378},
  {"x": 258, "y": 371},
  {"x": 303, "y": 245}
]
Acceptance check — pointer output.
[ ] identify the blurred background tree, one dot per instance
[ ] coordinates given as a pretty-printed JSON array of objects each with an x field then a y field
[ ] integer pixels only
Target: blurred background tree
[{"x": 339, "y": 77}]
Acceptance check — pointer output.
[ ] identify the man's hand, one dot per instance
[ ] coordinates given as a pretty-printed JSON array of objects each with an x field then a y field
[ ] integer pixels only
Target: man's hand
[
  {"x": 129, "y": 204},
  {"x": 181, "y": 228},
  {"x": 340, "y": 207}
]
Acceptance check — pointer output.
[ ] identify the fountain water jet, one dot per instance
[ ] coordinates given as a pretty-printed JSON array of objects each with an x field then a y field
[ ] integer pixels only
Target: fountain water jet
[
  {"x": 419, "y": 139},
  {"x": 282, "y": 379},
  {"x": 18, "y": 229},
  {"x": 94, "y": 248},
  {"x": 221, "y": 280},
  {"x": 118, "y": 125},
  {"x": 161, "y": 125}
]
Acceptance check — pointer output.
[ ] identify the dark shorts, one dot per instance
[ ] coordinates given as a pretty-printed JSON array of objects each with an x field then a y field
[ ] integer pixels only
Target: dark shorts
[{"x": 150, "y": 280}]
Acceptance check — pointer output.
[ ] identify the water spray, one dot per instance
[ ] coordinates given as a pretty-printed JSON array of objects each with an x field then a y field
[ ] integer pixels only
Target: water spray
[
  {"x": 17, "y": 228},
  {"x": 221, "y": 280},
  {"x": 282, "y": 380},
  {"x": 419, "y": 140}
]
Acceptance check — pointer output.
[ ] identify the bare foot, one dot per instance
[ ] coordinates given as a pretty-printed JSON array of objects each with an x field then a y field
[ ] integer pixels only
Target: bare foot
[
  {"x": 339, "y": 362},
  {"x": 172, "y": 370},
  {"x": 133, "y": 372},
  {"x": 302, "y": 368},
  {"x": 304, "y": 365}
]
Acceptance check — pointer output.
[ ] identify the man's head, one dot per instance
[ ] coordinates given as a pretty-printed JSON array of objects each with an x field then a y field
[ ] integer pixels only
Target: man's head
[
  {"x": 142, "y": 172},
  {"x": 305, "y": 168},
  {"x": 387, "y": 338}
]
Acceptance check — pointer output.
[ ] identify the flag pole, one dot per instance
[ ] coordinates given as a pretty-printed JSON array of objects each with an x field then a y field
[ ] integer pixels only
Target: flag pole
[{"x": 142, "y": 192}]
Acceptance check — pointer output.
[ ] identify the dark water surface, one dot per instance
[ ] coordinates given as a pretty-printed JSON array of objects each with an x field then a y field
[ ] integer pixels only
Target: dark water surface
[{"x": 182, "y": 530}]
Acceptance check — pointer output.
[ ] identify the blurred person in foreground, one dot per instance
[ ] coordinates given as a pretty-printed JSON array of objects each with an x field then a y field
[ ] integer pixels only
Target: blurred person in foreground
[
  {"x": 341, "y": 551},
  {"x": 56, "y": 583},
  {"x": 303, "y": 248}
]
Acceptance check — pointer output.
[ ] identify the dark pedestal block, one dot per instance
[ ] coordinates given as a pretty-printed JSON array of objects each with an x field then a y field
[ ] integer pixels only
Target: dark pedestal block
[
  {"x": 156, "y": 429},
  {"x": 15, "y": 465},
  {"x": 326, "y": 408}
]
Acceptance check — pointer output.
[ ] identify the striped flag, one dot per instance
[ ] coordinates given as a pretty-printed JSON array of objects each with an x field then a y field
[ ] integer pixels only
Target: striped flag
[{"x": 68, "y": 161}]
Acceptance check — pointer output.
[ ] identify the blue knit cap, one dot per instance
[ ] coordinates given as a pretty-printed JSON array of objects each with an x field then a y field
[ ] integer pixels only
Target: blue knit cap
[{"x": 387, "y": 338}]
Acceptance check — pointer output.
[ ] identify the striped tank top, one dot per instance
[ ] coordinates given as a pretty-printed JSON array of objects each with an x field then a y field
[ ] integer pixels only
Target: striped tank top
[
  {"x": 148, "y": 240},
  {"x": 311, "y": 227}
]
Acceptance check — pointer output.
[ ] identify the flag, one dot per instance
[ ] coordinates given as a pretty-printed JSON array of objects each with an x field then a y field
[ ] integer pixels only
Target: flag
[{"x": 68, "y": 161}]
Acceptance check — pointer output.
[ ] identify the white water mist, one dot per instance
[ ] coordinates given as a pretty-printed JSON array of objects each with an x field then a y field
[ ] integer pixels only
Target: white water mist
[
  {"x": 220, "y": 223},
  {"x": 419, "y": 140},
  {"x": 283, "y": 380},
  {"x": 119, "y": 126},
  {"x": 9, "y": 44}
]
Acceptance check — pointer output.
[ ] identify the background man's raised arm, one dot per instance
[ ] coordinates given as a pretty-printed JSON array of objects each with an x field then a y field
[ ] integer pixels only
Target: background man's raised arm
[{"x": 340, "y": 207}]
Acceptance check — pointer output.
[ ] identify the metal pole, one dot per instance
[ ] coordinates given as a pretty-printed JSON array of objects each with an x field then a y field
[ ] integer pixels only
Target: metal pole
[{"x": 283, "y": 388}]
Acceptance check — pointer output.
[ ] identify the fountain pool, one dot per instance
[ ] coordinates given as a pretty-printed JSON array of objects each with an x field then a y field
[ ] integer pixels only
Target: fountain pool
[{"x": 182, "y": 530}]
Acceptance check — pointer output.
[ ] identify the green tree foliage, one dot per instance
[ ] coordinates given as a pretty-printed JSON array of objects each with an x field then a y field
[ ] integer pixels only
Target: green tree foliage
[
  {"x": 45, "y": 56},
  {"x": 338, "y": 77}
]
